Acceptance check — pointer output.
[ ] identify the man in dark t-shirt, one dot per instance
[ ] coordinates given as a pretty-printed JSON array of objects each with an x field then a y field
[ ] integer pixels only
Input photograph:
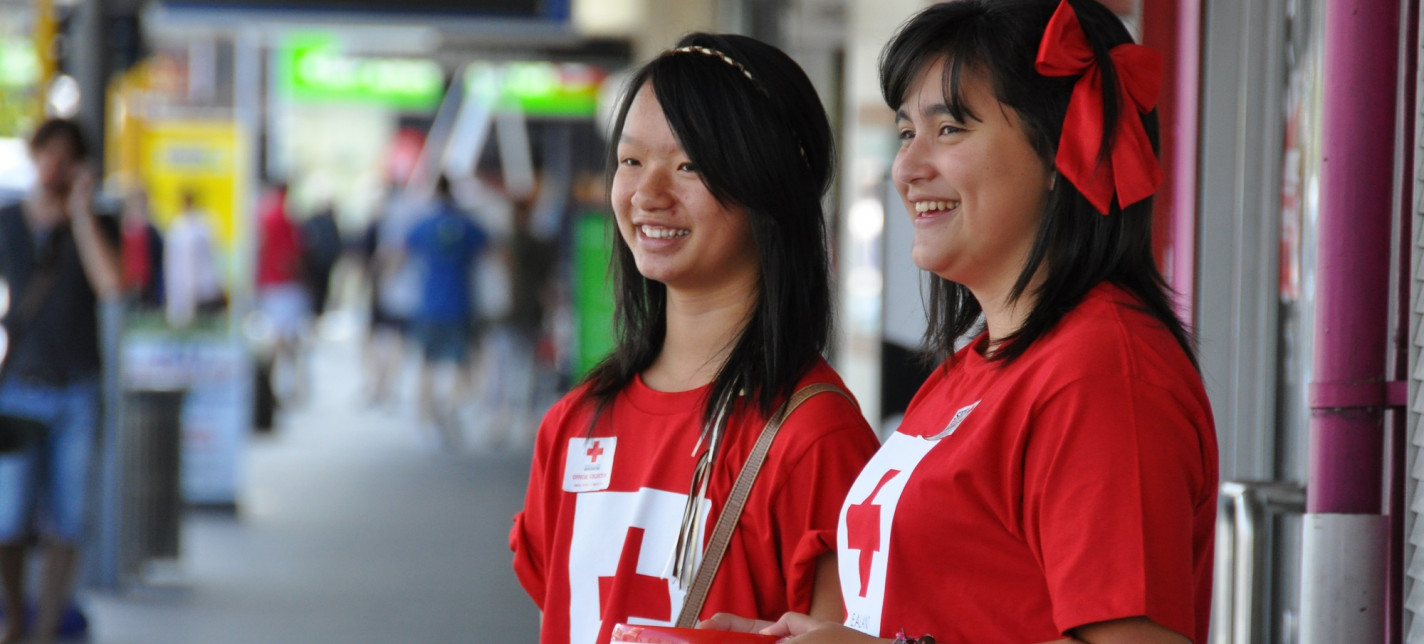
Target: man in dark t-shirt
[{"x": 58, "y": 260}]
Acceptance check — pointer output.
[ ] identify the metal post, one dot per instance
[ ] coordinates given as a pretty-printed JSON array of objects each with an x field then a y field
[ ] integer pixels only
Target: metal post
[
  {"x": 247, "y": 113},
  {"x": 102, "y": 563},
  {"x": 1243, "y": 566},
  {"x": 1345, "y": 541},
  {"x": 1342, "y": 592},
  {"x": 1351, "y": 316},
  {"x": 88, "y": 66},
  {"x": 90, "y": 71}
]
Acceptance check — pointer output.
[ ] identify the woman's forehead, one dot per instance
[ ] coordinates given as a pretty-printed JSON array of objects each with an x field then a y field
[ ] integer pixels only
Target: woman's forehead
[
  {"x": 936, "y": 88},
  {"x": 646, "y": 126}
]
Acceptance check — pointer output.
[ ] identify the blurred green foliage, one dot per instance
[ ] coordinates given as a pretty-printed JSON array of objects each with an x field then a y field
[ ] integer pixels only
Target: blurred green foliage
[
  {"x": 17, "y": 111},
  {"x": 19, "y": 77}
]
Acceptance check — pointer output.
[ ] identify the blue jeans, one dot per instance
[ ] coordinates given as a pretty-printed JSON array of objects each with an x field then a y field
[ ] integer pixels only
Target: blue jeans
[
  {"x": 444, "y": 340},
  {"x": 52, "y": 475}
]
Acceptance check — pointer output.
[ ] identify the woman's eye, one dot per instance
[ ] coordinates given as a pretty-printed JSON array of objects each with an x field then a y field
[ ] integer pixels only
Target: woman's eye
[
  {"x": 906, "y": 135},
  {"x": 949, "y": 129},
  {"x": 627, "y": 161},
  {"x": 687, "y": 167}
]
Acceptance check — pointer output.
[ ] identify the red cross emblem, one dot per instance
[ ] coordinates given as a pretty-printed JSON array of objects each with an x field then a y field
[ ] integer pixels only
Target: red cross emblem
[
  {"x": 594, "y": 452},
  {"x": 863, "y": 529},
  {"x": 627, "y": 591}
]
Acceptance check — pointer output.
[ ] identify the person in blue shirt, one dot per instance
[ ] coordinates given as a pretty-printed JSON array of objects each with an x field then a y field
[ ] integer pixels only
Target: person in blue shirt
[{"x": 446, "y": 243}]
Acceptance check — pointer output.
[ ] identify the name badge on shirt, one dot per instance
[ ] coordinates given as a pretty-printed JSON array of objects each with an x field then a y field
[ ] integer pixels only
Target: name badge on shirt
[
  {"x": 588, "y": 466},
  {"x": 954, "y": 422}
]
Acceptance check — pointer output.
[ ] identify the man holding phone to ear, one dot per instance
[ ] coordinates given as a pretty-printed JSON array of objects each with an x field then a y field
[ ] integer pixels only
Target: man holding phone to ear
[{"x": 59, "y": 261}]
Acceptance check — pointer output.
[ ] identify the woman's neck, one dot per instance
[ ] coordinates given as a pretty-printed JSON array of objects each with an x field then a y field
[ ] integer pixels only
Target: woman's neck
[
  {"x": 1000, "y": 321},
  {"x": 1004, "y": 316},
  {"x": 702, "y": 328}
]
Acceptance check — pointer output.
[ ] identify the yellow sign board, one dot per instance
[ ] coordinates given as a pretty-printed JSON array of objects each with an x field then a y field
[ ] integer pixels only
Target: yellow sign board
[{"x": 198, "y": 156}]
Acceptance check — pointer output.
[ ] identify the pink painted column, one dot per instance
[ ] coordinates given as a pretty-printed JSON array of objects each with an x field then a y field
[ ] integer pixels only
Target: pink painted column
[
  {"x": 1352, "y": 267},
  {"x": 1345, "y": 531},
  {"x": 1174, "y": 28}
]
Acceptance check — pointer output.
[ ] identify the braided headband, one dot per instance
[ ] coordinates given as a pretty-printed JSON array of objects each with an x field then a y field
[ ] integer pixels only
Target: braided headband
[
  {"x": 1130, "y": 167},
  {"x": 708, "y": 51}
]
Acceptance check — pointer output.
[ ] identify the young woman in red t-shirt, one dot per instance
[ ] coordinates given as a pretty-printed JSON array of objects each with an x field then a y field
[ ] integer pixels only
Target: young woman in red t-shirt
[
  {"x": 721, "y": 154},
  {"x": 1055, "y": 479}
]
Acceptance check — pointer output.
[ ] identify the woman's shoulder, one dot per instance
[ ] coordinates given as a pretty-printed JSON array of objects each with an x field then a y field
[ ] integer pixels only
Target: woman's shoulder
[
  {"x": 820, "y": 371},
  {"x": 577, "y": 404},
  {"x": 834, "y": 411},
  {"x": 1110, "y": 333},
  {"x": 1107, "y": 319}
]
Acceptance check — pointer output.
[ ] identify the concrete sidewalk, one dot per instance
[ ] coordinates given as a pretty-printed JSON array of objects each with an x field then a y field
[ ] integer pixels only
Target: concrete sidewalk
[{"x": 348, "y": 531}]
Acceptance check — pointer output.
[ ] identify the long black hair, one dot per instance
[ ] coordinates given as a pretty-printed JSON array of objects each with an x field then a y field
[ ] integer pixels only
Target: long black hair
[
  {"x": 1075, "y": 247},
  {"x": 750, "y": 120}
]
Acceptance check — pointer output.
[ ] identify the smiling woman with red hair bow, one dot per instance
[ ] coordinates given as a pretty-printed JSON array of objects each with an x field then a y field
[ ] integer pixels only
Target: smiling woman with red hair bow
[{"x": 1055, "y": 478}]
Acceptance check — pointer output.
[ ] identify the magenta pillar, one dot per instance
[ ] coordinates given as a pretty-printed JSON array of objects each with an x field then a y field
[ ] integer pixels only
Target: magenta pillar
[{"x": 1358, "y": 140}]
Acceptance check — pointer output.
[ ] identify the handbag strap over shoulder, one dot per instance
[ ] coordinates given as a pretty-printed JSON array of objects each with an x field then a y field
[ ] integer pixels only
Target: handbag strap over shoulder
[{"x": 736, "y": 501}]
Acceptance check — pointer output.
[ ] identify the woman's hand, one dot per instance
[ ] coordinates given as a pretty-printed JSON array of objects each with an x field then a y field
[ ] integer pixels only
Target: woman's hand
[
  {"x": 793, "y": 628},
  {"x": 733, "y": 623}
]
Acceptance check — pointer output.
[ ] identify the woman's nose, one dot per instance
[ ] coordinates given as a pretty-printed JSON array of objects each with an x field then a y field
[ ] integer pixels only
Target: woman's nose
[
  {"x": 911, "y": 163},
  {"x": 652, "y": 191}
]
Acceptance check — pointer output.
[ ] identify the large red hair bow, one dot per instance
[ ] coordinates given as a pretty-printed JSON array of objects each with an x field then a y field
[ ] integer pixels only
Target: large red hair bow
[{"x": 1131, "y": 167}]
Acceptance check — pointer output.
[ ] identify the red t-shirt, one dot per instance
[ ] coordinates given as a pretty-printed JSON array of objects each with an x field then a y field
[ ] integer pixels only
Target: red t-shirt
[
  {"x": 1074, "y": 485},
  {"x": 595, "y": 557},
  {"x": 279, "y": 251},
  {"x": 136, "y": 255}
]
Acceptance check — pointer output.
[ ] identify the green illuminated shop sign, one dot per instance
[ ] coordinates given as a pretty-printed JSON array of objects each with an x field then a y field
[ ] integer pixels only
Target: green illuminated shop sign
[
  {"x": 539, "y": 88},
  {"x": 312, "y": 68}
]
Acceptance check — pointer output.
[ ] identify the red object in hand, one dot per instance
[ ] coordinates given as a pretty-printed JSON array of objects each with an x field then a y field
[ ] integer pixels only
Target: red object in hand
[{"x": 670, "y": 635}]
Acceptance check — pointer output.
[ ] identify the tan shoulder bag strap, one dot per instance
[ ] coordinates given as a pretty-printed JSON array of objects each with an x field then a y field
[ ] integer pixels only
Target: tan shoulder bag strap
[{"x": 732, "y": 511}]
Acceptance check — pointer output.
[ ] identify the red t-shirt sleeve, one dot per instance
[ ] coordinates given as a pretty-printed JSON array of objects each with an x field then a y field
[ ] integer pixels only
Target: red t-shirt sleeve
[
  {"x": 531, "y": 537},
  {"x": 527, "y": 566},
  {"x": 1112, "y": 479},
  {"x": 809, "y": 496}
]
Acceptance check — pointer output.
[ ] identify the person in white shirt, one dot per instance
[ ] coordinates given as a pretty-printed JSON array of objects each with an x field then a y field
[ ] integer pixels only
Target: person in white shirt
[{"x": 190, "y": 267}]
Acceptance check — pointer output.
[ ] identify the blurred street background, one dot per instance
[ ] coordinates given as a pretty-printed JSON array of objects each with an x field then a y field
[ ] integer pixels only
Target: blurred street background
[{"x": 351, "y": 530}]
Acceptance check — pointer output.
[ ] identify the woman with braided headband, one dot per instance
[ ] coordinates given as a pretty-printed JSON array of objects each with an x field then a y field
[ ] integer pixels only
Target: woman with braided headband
[
  {"x": 1054, "y": 480},
  {"x": 721, "y": 154}
]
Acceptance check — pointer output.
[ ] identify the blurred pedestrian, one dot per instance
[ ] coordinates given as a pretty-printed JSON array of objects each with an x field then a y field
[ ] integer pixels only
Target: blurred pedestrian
[
  {"x": 59, "y": 261},
  {"x": 142, "y": 252},
  {"x": 321, "y": 248},
  {"x": 446, "y": 244},
  {"x": 395, "y": 294},
  {"x": 191, "y": 269},
  {"x": 513, "y": 361},
  {"x": 282, "y": 296}
]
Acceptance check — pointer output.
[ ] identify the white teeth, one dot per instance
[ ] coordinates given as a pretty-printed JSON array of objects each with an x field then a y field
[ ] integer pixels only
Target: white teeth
[
  {"x": 658, "y": 232},
  {"x": 934, "y": 206}
]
